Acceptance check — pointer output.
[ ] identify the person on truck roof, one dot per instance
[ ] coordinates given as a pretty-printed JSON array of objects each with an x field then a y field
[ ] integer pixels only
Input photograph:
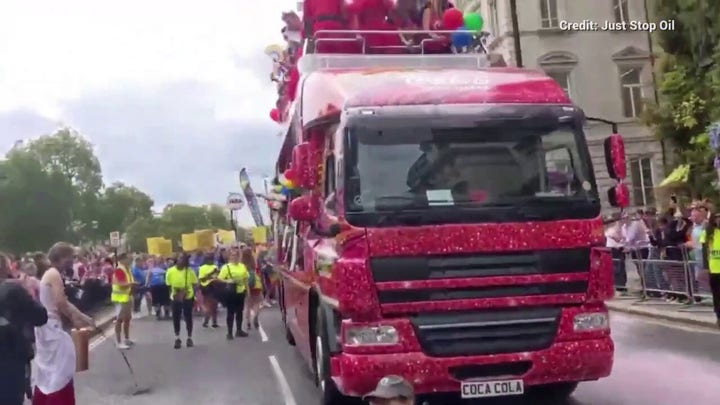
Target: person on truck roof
[{"x": 391, "y": 390}]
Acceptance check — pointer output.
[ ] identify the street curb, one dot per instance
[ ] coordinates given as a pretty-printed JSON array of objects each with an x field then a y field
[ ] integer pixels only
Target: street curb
[{"x": 673, "y": 317}]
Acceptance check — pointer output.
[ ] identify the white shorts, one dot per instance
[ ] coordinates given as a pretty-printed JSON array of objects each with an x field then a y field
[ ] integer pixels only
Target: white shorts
[{"x": 123, "y": 310}]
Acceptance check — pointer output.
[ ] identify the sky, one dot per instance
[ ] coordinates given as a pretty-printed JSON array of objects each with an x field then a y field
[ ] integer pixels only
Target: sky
[{"x": 174, "y": 94}]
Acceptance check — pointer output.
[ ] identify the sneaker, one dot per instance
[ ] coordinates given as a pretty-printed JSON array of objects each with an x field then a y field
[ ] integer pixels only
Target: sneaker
[
  {"x": 178, "y": 343},
  {"x": 122, "y": 346},
  {"x": 129, "y": 342},
  {"x": 189, "y": 342},
  {"x": 215, "y": 326},
  {"x": 205, "y": 324},
  {"x": 229, "y": 336},
  {"x": 241, "y": 333}
]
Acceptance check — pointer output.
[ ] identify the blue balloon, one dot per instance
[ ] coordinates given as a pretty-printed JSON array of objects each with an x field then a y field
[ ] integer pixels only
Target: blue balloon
[{"x": 461, "y": 38}]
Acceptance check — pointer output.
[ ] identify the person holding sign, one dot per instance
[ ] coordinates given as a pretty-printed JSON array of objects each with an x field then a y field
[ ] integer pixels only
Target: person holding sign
[{"x": 181, "y": 280}]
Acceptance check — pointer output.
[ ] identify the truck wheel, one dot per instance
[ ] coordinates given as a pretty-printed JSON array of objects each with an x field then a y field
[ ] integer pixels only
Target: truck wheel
[
  {"x": 330, "y": 395},
  {"x": 557, "y": 393}
]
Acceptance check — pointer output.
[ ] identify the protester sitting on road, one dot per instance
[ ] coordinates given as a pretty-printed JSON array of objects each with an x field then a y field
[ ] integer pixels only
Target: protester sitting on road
[
  {"x": 254, "y": 297},
  {"x": 710, "y": 239},
  {"x": 121, "y": 296},
  {"x": 19, "y": 313},
  {"x": 208, "y": 273},
  {"x": 391, "y": 390},
  {"x": 182, "y": 280},
  {"x": 235, "y": 275},
  {"x": 55, "y": 351},
  {"x": 159, "y": 291}
]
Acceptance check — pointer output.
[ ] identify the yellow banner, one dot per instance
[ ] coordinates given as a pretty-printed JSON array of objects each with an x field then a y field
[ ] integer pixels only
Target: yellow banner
[
  {"x": 154, "y": 245},
  {"x": 259, "y": 234},
  {"x": 166, "y": 248},
  {"x": 225, "y": 237},
  {"x": 189, "y": 242},
  {"x": 205, "y": 239}
]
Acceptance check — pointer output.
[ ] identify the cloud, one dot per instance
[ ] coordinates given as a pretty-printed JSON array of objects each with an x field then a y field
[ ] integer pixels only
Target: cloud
[
  {"x": 168, "y": 141},
  {"x": 22, "y": 124}
]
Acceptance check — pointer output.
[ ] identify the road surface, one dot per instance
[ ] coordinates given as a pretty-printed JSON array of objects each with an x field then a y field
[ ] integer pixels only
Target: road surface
[{"x": 656, "y": 364}]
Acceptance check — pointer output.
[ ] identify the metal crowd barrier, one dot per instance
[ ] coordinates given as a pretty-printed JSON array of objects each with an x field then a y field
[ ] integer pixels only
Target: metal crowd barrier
[{"x": 670, "y": 273}]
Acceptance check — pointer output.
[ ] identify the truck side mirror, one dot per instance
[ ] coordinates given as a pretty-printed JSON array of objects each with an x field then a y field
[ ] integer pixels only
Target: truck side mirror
[
  {"x": 306, "y": 171},
  {"x": 619, "y": 196},
  {"x": 615, "y": 157},
  {"x": 303, "y": 209}
]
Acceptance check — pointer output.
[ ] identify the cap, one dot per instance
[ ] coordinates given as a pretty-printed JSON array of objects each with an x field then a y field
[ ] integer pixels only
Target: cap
[{"x": 389, "y": 387}]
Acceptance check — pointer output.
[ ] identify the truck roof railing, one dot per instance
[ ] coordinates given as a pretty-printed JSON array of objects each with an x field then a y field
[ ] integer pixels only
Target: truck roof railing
[
  {"x": 427, "y": 38},
  {"x": 473, "y": 57}
]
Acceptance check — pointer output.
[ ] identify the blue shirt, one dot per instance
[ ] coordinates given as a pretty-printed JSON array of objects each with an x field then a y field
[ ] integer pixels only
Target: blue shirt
[
  {"x": 157, "y": 276},
  {"x": 139, "y": 275}
]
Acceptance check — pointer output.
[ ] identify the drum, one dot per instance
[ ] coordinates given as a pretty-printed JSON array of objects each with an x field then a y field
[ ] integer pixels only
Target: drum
[{"x": 81, "y": 339}]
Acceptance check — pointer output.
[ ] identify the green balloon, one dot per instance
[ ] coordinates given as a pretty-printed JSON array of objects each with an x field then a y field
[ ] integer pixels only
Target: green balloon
[{"x": 473, "y": 21}]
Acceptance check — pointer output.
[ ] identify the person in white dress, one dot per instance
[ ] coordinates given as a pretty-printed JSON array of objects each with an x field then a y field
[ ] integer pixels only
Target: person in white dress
[{"x": 55, "y": 351}]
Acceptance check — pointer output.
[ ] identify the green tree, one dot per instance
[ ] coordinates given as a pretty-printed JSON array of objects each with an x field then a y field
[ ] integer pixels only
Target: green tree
[
  {"x": 35, "y": 204},
  {"x": 67, "y": 153},
  {"x": 121, "y": 205},
  {"x": 175, "y": 220},
  {"x": 139, "y": 230},
  {"x": 689, "y": 85}
]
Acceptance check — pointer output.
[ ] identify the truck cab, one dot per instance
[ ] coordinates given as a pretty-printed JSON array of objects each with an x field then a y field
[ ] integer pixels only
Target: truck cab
[{"x": 445, "y": 227}]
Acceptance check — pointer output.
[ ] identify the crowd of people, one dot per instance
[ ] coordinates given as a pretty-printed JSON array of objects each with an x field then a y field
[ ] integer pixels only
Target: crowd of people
[
  {"x": 37, "y": 310},
  {"x": 682, "y": 239}
]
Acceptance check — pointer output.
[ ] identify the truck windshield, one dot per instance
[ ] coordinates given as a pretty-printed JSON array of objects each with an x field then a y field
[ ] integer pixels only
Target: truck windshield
[{"x": 469, "y": 169}]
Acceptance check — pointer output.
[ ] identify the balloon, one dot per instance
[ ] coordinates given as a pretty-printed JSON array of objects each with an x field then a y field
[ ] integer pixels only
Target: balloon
[
  {"x": 461, "y": 38},
  {"x": 354, "y": 6},
  {"x": 290, "y": 175},
  {"x": 275, "y": 115},
  {"x": 473, "y": 21},
  {"x": 452, "y": 19}
]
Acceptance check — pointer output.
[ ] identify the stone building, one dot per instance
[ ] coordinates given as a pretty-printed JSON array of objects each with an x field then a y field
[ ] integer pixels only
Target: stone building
[{"x": 607, "y": 73}]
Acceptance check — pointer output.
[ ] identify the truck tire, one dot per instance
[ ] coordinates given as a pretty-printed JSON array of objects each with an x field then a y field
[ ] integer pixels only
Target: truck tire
[
  {"x": 329, "y": 394},
  {"x": 555, "y": 393}
]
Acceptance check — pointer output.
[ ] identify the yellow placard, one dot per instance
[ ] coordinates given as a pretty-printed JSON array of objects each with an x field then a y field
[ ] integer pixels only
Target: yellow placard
[
  {"x": 205, "y": 239},
  {"x": 166, "y": 248},
  {"x": 189, "y": 242},
  {"x": 225, "y": 237},
  {"x": 153, "y": 245},
  {"x": 259, "y": 234}
]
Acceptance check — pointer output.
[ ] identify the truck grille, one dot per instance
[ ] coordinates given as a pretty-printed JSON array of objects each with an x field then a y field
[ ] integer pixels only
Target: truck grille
[
  {"x": 486, "y": 332},
  {"x": 480, "y": 265}
]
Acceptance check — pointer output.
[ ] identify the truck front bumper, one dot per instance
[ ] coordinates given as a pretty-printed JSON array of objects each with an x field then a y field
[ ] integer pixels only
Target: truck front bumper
[{"x": 582, "y": 360}]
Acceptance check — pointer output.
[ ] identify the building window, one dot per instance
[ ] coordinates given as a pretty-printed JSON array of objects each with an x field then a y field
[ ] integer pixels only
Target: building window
[
  {"x": 641, "y": 176},
  {"x": 620, "y": 9},
  {"x": 563, "y": 79},
  {"x": 549, "y": 14},
  {"x": 631, "y": 89}
]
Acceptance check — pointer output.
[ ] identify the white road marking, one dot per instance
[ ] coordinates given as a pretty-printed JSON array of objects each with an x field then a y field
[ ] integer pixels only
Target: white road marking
[
  {"x": 263, "y": 335},
  {"x": 284, "y": 386}
]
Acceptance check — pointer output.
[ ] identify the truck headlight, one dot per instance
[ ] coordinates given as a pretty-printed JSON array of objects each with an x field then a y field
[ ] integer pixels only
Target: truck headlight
[
  {"x": 591, "y": 321},
  {"x": 371, "y": 335}
]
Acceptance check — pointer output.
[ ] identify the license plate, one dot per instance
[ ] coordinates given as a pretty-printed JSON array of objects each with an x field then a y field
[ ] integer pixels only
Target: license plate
[{"x": 488, "y": 389}]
